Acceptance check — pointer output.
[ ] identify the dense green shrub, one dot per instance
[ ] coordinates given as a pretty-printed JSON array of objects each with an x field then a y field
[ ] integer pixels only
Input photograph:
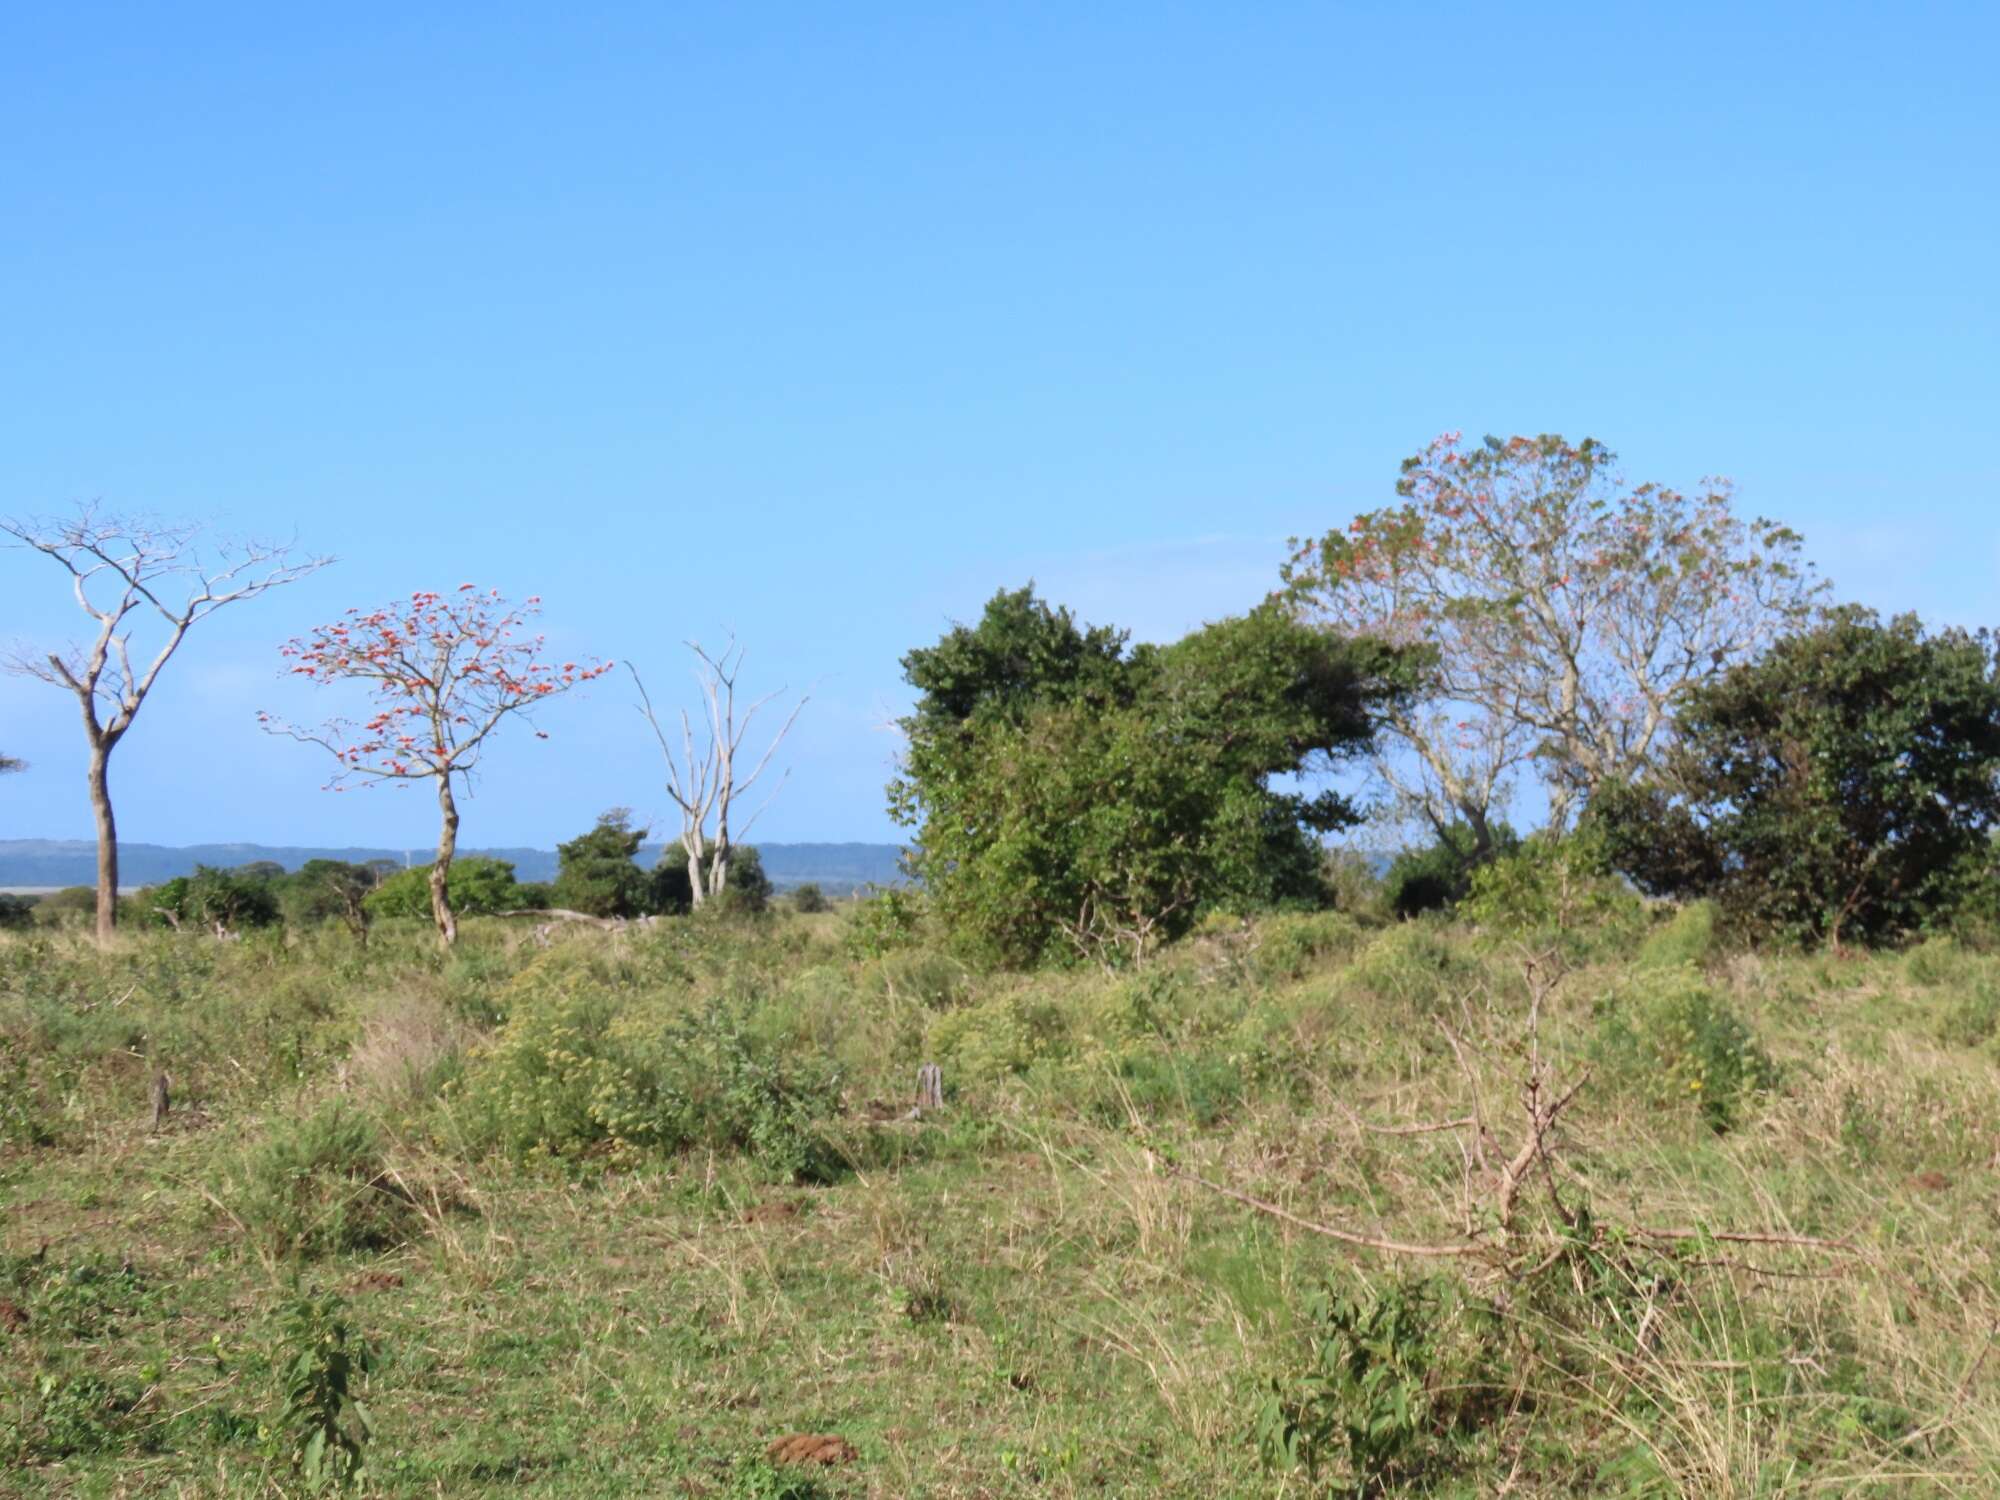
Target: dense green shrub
[
  {"x": 580, "y": 1072},
  {"x": 476, "y": 885},
  {"x": 319, "y": 1186},
  {"x": 597, "y": 873},
  {"x": 1548, "y": 884},
  {"x": 1437, "y": 876},
  {"x": 1073, "y": 801},
  {"x": 1844, "y": 786},
  {"x": 808, "y": 899}
]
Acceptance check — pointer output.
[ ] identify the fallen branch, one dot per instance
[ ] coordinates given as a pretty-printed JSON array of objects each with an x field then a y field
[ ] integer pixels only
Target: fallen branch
[{"x": 1345, "y": 1236}]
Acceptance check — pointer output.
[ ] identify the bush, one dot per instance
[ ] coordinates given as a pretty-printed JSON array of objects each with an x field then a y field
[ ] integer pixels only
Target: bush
[
  {"x": 1394, "y": 1382},
  {"x": 1842, "y": 786},
  {"x": 1686, "y": 940},
  {"x": 16, "y": 912},
  {"x": 476, "y": 886},
  {"x": 1439, "y": 876},
  {"x": 598, "y": 875},
  {"x": 809, "y": 899},
  {"x": 1679, "y": 1044},
  {"x": 573, "y": 1075},
  {"x": 319, "y": 1186},
  {"x": 883, "y": 922},
  {"x": 1289, "y": 945},
  {"x": 1002, "y": 1035},
  {"x": 1549, "y": 885}
]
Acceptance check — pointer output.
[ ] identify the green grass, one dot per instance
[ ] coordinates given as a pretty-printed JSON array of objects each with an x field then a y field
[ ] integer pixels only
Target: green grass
[{"x": 617, "y": 1214}]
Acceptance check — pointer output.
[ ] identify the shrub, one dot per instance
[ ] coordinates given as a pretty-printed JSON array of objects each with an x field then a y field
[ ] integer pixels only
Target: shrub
[
  {"x": 883, "y": 922},
  {"x": 1550, "y": 886},
  {"x": 1685, "y": 940},
  {"x": 1394, "y": 1382},
  {"x": 1439, "y": 876},
  {"x": 578, "y": 1074},
  {"x": 1290, "y": 944},
  {"x": 319, "y": 1186},
  {"x": 1841, "y": 786},
  {"x": 1004, "y": 1034},
  {"x": 475, "y": 884},
  {"x": 809, "y": 899},
  {"x": 1681, "y": 1044}
]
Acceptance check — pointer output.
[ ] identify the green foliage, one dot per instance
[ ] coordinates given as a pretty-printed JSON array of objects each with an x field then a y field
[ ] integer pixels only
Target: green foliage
[
  {"x": 476, "y": 885},
  {"x": 318, "y": 1186},
  {"x": 576, "y": 1072},
  {"x": 1072, "y": 801},
  {"x": 1385, "y": 1385},
  {"x": 324, "y": 1427},
  {"x": 808, "y": 899},
  {"x": 883, "y": 922},
  {"x": 747, "y": 894},
  {"x": 332, "y": 890},
  {"x": 1845, "y": 786},
  {"x": 68, "y": 906},
  {"x": 1681, "y": 1045},
  {"x": 210, "y": 897},
  {"x": 1552, "y": 887},
  {"x": 1687, "y": 940},
  {"x": 1438, "y": 876},
  {"x": 597, "y": 873},
  {"x": 17, "y": 912}
]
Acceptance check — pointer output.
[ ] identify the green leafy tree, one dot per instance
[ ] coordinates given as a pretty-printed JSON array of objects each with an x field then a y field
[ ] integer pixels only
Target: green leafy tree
[
  {"x": 1071, "y": 797},
  {"x": 597, "y": 874},
  {"x": 1560, "y": 611},
  {"x": 1844, "y": 786},
  {"x": 332, "y": 890},
  {"x": 477, "y": 885},
  {"x": 212, "y": 898},
  {"x": 670, "y": 888},
  {"x": 808, "y": 899}
]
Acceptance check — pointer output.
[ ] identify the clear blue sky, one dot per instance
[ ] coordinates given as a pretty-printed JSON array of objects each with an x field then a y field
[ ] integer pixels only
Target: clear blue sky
[{"x": 824, "y": 322}]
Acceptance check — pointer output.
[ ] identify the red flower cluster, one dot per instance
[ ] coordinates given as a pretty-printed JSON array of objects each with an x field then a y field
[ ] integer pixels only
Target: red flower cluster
[{"x": 444, "y": 674}]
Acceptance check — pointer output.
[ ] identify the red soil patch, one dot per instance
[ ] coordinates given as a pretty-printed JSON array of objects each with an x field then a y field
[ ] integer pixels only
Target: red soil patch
[
  {"x": 812, "y": 1448},
  {"x": 12, "y": 1318}
]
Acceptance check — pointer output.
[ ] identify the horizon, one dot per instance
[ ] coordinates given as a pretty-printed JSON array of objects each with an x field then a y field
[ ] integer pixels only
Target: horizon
[{"x": 825, "y": 329}]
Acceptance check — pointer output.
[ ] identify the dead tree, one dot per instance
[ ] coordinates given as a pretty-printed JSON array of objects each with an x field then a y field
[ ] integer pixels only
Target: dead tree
[
  {"x": 704, "y": 783},
  {"x": 123, "y": 570}
]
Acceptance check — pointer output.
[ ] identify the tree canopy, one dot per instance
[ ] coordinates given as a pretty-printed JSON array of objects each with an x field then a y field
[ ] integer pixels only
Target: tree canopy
[
  {"x": 1844, "y": 786},
  {"x": 1560, "y": 612},
  {"x": 1072, "y": 797}
]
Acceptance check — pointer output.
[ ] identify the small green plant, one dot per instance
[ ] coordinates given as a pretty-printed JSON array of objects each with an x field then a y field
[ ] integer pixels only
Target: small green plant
[
  {"x": 1680, "y": 1043},
  {"x": 1369, "y": 1389},
  {"x": 323, "y": 1427},
  {"x": 319, "y": 1186}
]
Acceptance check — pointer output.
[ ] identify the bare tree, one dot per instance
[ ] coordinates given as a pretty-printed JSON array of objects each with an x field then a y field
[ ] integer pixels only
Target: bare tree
[
  {"x": 704, "y": 784},
  {"x": 126, "y": 569},
  {"x": 1563, "y": 611}
]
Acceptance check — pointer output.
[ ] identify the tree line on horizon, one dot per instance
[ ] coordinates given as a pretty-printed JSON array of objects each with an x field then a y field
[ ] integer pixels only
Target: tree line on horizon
[{"x": 1700, "y": 719}]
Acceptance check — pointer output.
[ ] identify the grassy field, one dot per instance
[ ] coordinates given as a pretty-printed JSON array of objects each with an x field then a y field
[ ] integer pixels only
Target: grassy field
[{"x": 616, "y": 1215}]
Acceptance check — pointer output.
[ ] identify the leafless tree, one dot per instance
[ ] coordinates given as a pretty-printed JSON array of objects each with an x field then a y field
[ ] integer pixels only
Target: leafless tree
[
  {"x": 125, "y": 570},
  {"x": 703, "y": 782}
]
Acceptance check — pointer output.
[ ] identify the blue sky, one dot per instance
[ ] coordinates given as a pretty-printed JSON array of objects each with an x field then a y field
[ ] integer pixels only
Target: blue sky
[{"x": 821, "y": 323}]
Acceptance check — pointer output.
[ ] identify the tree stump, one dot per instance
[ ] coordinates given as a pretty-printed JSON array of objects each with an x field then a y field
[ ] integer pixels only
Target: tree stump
[
  {"x": 930, "y": 1087},
  {"x": 162, "y": 1100}
]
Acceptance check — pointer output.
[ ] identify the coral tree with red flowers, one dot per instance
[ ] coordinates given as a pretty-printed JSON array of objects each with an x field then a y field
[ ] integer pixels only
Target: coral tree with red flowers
[{"x": 445, "y": 672}]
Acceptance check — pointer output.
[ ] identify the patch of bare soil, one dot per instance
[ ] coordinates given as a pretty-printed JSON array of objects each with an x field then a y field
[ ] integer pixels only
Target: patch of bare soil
[{"x": 812, "y": 1448}]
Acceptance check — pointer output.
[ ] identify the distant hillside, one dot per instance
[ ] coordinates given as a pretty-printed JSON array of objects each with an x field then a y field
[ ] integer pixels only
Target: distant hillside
[{"x": 836, "y": 868}]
